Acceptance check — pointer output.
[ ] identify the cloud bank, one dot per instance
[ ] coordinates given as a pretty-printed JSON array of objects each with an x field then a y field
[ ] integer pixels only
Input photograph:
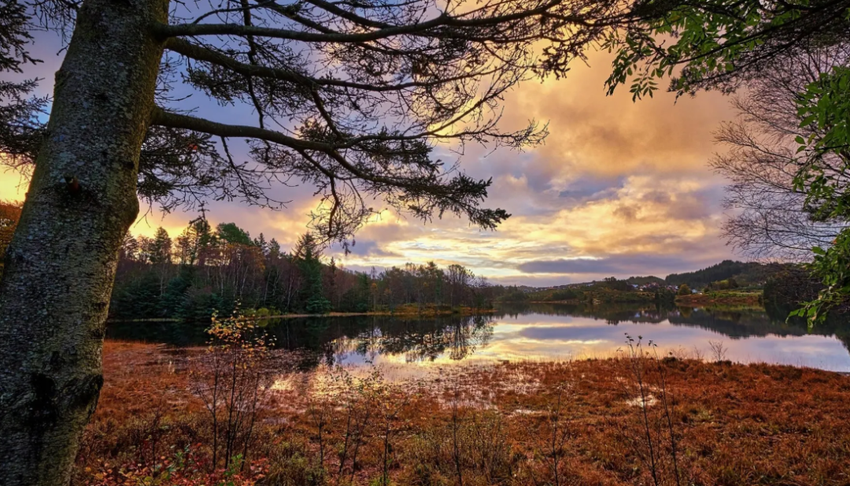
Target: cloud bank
[{"x": 619, "y": 188}]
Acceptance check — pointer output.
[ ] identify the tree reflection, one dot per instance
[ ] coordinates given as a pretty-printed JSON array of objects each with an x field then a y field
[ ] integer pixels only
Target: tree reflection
[
  {"x": 328, "y": 340},
  {"x": 416, "y": 340}
]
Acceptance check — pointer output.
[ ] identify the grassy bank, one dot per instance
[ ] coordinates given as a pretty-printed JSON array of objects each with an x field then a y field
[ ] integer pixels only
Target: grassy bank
[{"x": 605, "y": 422}]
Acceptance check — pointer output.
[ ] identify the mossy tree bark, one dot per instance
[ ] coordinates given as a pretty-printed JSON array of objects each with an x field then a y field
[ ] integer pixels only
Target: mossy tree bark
[{"x": 61, "y": 263}]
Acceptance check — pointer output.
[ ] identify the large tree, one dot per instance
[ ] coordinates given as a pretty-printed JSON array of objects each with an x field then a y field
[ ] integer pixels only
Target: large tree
[
  {"x": 349, "y": 96},
  {"x": 769, "y": 216},
  {"x": 724, "y": 44}
]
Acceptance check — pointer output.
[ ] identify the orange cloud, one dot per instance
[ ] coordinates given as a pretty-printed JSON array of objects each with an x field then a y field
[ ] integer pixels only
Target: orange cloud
[{"x": 614, "y": 183}]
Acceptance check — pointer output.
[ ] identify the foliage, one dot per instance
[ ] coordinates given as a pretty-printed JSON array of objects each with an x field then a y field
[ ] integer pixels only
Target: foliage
[
  {"x": 684, "y": 290},
  {"x": 651, "y": 279},
  {"x": 824, "y": 106},
  {"x": 158, "y": 250},
  {"x": 831, "y": 266},
  {"x": 514, "y": 295},
  {"x": 788, "y": 289},
  {"x": 366, "y": 94},
  {"x": 21, "y": 130},
  {"x": 232, "y": 379},
  {"x": 233, "y": 234},
  {"x": 137, "y": 299},
  {"x": 619, "y": 285},
  {"x": 717, "y": 43},
  {"x": 564, "y": 294},
  {"x": 727, "y": 284}
]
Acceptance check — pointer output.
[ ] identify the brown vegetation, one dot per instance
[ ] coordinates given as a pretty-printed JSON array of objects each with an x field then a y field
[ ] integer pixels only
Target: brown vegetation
[{"x": 630, "y": 420}]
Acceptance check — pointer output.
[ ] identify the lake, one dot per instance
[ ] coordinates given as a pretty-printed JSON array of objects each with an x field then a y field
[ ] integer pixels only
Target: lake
[{"x": 534, "y": 332}]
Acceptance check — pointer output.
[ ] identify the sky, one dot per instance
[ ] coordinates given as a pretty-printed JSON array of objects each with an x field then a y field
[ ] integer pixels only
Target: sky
[{"x": 619, "y": 188}]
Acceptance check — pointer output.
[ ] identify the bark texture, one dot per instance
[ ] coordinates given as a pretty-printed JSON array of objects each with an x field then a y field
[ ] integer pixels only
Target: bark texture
[{"x": 61, "y": 263}]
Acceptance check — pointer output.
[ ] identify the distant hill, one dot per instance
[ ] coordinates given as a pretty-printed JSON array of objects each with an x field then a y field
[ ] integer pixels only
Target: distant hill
[
  {"x": 745, "y": 274},
  {"x": 749, "y": 274}
]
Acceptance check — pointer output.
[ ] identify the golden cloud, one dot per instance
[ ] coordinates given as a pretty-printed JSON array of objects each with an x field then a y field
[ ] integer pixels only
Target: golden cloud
[{"x": 614, "y": 182}]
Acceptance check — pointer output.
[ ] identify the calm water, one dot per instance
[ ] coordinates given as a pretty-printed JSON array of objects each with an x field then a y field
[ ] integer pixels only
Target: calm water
[{"x": 535, "y": 332}]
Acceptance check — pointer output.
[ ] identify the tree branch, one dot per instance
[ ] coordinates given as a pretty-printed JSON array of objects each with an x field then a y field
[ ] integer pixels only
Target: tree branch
[
  {"x": 199, "y": 53},
  {"x": 176, "y": 120},
  {"x": 422, "y": 28}
]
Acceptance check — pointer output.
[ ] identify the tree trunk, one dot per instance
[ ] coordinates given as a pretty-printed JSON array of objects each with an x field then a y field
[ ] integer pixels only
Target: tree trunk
[{"x": 60, "y": 266}]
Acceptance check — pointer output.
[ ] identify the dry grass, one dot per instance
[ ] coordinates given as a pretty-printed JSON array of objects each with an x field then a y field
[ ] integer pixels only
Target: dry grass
[{"x": 510, "y": 424}]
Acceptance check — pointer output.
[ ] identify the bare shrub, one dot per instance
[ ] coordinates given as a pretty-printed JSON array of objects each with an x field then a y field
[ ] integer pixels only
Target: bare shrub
[
  {"x": 391, "y": 401},
  {"x": 655, "y": 439},
  {"x": 468, "y": 447},
  {"x": 319, "y": 414},
  {"x": 718, "y": 350},
  {"x": 697, "y": 353},
  {"x": 358, "y": 412},
  {"x": 232, "y": 379},
  {"x": 551, "y": 438}
]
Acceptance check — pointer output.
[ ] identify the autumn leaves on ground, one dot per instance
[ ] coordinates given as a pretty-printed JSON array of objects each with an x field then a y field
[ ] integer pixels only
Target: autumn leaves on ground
[{"x": 239, "y": 413}]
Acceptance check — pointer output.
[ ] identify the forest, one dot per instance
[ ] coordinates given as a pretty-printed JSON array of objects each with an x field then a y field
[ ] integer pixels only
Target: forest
[{"x": 206, "y": 270}]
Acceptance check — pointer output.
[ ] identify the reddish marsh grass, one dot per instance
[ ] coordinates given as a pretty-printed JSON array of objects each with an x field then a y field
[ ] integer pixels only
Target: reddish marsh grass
[{"x": 542, "y": 423}]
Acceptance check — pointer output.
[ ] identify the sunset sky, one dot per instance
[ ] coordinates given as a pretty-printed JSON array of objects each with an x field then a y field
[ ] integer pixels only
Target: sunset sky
[{"x": 619, "y": 188}]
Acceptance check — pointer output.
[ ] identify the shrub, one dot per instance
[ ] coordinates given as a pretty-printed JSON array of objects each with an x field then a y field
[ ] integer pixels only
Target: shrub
[{"x": 232, "y": 379}]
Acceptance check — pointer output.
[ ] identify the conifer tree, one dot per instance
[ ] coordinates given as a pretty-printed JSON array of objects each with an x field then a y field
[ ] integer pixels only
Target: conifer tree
[{"x": 308, "y": 256}]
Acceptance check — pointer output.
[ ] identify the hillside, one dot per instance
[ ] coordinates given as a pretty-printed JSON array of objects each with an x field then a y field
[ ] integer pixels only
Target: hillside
[
  {"x": 725, "y": 275},
  {"x": 609, "y": 290},
  {"x": 750, "y": 274}
]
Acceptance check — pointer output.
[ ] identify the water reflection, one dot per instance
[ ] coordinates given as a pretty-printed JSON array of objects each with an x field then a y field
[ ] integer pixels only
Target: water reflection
[
  {"x": 534, "y": 332},
  {"x": 731, "y": 323},
  {"x": 415, "y": 341}
]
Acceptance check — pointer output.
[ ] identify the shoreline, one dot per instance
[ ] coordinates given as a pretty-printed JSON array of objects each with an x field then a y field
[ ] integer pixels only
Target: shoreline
[
  {"x": 753, "y": 299},
  {"x": 718, "y": 300},
  {"x": 461, "y": 311}
]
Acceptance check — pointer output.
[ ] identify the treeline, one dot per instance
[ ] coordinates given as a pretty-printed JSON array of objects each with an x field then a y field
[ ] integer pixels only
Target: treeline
[{"x": 206, "y": 269}]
